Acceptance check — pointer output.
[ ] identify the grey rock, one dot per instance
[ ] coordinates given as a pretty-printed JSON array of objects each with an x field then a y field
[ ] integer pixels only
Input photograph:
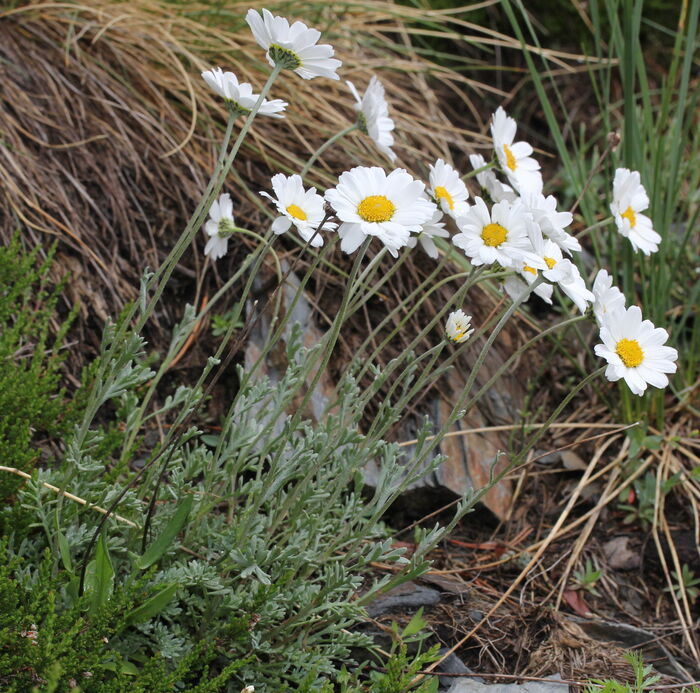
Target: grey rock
[
  {"x": 553, "y": 684},
  {"x": 452, "y": 665},
  {"x": 406, "y": 596}
]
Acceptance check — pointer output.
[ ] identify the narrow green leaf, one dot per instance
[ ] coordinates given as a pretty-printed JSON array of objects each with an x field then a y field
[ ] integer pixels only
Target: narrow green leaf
[
  {"x": 152, "y": 606},
  {"x": 124, "y": 667},
  {"x": 99, "y": 580},
  {"x": 64, "y": 549},
  {"x": 168, "y": 536}
]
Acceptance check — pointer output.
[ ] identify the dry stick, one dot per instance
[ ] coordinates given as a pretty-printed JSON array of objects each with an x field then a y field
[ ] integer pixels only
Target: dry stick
[
  {"x": 683, "y": 611},
  {"x": 507, "y": 428},
  {"x": 579, "y": 521},
  {"x": 544, "y": 545},
  {"x": 512, "y": 427},
  {"x": 581, "y": 541},
  {"x": 68, "y": 495}
]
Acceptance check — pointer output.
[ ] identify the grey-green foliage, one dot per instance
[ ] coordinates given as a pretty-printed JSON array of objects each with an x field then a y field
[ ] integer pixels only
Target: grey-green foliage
[{"x": 272, "y": 565}]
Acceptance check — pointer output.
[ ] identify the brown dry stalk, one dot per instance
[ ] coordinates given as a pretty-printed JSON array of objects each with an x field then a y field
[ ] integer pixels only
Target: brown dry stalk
[
  {"x": 70, "y": 496},
  {"x": 535, "y": 559}
]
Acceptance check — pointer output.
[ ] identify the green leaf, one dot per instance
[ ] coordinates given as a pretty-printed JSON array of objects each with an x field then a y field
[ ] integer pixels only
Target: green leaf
[
  {"x": 124, "y": 667},
  {"x": 64, "y": 550},
  {"x": 153, "y": 606},
  {"x": 168, "y": 536},
  {"x": 415, "y": 625},
  {"x": 99, "y": 579}
]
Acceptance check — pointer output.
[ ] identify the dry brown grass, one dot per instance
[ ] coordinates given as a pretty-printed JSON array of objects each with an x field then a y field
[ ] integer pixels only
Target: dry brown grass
[{"x": 109, "y": 133}]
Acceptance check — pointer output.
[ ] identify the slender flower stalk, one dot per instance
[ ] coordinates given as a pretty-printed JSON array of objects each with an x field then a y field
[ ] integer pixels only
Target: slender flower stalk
[{"x": 332, "y": 140}]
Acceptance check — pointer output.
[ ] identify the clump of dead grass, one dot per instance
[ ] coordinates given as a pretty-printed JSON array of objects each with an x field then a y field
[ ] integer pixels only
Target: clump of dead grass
[{"x": 109, "y": 133}]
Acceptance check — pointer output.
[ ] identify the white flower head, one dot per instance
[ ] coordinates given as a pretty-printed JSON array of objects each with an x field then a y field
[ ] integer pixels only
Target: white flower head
[
  {"x": 239, "y": 95},
  {"x": 303, "y": 208},
  {"x": 496, "y": 190},
  {"x": 448, "y": 189},
  {"x": 219, "y": 227},
  {"x": 294, "y": 47},
  {"x": 373, "y": 116},
  {"x": 608, "y": 298},
  {"x": 369, "y": 202},
  {"x": 458, "y": 327},
  {"x": 552, "y": 223},
  {"x": 248, "y": 689},
  {"x": 496, "y": 236},
  {"x": 565, "y": 274},
  {"x": 514, "y": 157},
  {"x": 629, "y": 199},
  {"x": 634, "y": 350},
  {"x": 515, "y": 285},
  {"x": 432, "y": 228}
]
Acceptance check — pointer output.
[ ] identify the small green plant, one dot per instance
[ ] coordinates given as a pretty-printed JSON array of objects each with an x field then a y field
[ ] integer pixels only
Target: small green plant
[
  {"x": 645, "y": 507},
  {"x": 221, "y": 324},
  {"x": 687, "y": 583},
  {"x": 587, "y": 578},
  {"x": 398, "y": 673},
  {"x": 644, "y": 678}
]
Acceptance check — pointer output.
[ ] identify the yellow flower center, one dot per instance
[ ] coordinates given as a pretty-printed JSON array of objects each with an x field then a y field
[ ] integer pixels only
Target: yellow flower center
[
  {"x": 529, "y": 269},
  {"x": 629, "y": 215},
  {"x": 550, "y": 262},
  {"x": 442, "y": 194},
  {"x": 630, "y": 352},
  {"x": 297, "y": 212},
  {"x": 511, "y": 161},
  {"x": 493, "y": 235},
  {"x": 376, "y": 208}
]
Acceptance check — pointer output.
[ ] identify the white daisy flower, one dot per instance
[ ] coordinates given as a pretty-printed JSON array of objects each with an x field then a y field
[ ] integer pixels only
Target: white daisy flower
[
  {"x": 634, "y": 350},
  {"x": 219, "y": 227},
  {"x": 458, "y": 327},
  {"x": 514, "y": 284},
  {"x": 499, "y": 236},
  {"x": 240, "y": 96},
  {"x": 514, "y": 157},
  {"x": 496, "y": 190},
  {"x": 608, "y": 298},
  {"x": 552, "y": 223},
  {"x": 369, "y": 202},
  {"x": 303, "y": 208},
  {"x": 526, "y": 274},
  {"x": 373, "y": 116},
  {"x": 432, "y": 228},
  {"x": 565, "y": 274},
  {"x": 629, "y": 199},
  {"x": 293, "y": 46},
  {"x": 448, "y": 189}
]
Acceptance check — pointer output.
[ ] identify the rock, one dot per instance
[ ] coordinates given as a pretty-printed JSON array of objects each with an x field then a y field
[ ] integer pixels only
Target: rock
[
  {"x": 407, "y": 596},
  {"x": 620, "y": 555},
  {"x": 553, "y": 684},
  {"x": 452, "y": 665},
  {"x": 470, "y": 456},
  {"x": 630, "y": 637}
]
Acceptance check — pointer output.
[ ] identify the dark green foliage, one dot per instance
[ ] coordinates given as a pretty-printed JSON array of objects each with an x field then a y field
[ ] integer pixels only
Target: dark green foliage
[
  {"x": 30, "y": 396},
  {"x": 47, "y": 636}
]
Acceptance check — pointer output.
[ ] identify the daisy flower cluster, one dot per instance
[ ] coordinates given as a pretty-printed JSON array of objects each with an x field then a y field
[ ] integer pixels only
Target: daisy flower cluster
[{"x": 511, "y": 224}]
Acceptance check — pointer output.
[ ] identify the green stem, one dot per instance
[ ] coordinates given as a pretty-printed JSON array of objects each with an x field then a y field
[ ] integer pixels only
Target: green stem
[{"x": 324, "y": 146}]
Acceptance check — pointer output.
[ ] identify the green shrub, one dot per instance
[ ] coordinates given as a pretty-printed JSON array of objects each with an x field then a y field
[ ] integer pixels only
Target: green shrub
[{"x": 30, "y": 395}]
